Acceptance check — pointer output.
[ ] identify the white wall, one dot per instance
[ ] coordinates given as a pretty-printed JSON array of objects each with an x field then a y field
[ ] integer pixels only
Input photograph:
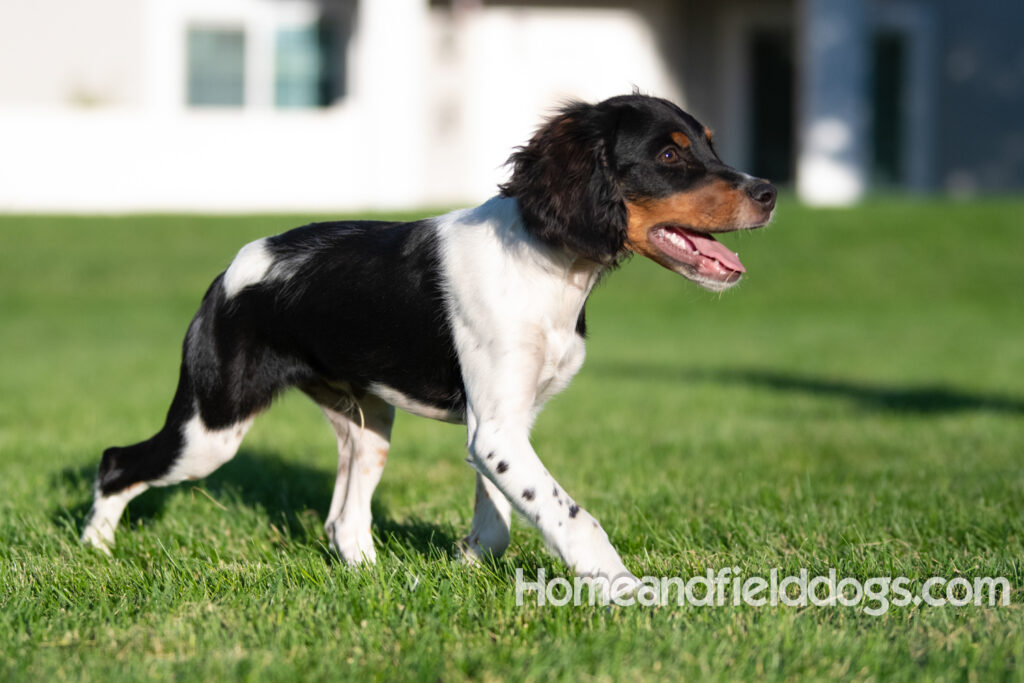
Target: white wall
[
  {"x": 70, "y": 53},
  {"x": 501, "y": 70},
  {"x": 437, "y": 102},
  {"x": 114, "y": 161}
]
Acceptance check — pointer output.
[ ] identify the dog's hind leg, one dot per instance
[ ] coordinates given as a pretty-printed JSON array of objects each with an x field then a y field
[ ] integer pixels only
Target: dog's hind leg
[
  {"x": 364, "y": 435},
  {"x": 342, "y": 425},
  {"x": 181, "y": 451},
  {"x": 492, "y": 518},
  {"x": 185, "y": 448},
  {"x": 224, "y": 383},
  {"x": 126, "y": 472}
]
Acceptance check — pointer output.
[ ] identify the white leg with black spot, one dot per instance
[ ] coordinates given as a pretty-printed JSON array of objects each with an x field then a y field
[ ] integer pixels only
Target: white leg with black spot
[
  {"x": 204, "y": 450},
  {"x": 505, "y": 457}
]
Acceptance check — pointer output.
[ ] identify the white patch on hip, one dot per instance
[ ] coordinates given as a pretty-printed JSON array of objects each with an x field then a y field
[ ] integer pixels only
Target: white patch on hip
[
  {"x": 204, "y": 450},
  {"x": 249, "y": 267}
]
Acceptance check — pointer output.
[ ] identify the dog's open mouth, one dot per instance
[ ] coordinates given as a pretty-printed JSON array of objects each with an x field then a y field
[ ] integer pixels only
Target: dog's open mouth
[{"x": 702, "y": 258}]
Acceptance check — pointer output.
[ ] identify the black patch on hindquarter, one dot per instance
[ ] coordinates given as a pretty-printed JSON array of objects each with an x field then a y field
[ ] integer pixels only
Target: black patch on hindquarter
[
  {"x": 121, "y": 467},
  {"x": 365, "y": 304},
  {"x": 344, "y": 304}
]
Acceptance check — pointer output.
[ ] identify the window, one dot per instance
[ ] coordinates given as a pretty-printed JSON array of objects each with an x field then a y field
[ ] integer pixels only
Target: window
[
  {"x": 216, "y": 67},
  {"x": 290, "y": 59},
  {"x": 304, "y": 67}
]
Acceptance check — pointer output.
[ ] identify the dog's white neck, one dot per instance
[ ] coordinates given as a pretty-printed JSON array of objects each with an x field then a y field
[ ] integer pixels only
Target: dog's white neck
[
  {"x": 513, "y": 302},
  {"x": 495, "y": 263}
]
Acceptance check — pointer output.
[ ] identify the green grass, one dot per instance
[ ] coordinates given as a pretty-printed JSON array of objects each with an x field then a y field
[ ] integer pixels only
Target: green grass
[{"x": 856, "y": 403}]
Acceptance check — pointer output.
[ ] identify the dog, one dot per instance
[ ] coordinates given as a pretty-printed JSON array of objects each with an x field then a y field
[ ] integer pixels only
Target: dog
[{"x": 475, "y": 317}]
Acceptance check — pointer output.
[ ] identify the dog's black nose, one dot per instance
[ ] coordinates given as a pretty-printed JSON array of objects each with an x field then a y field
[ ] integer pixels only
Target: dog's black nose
[{"x": 763, "y": 193}]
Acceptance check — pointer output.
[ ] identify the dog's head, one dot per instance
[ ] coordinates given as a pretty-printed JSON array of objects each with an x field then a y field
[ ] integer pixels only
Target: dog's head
[{"x": 636, "y": 174}]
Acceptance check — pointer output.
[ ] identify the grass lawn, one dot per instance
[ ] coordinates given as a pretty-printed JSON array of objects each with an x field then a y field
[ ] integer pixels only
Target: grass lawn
[{"x": 856, "y": 403}]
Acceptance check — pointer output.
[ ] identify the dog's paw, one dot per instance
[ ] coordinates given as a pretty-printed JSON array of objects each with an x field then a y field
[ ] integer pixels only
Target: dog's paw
[
  {"x": 591, "y": 553},
  {"x": 94, "y": 537},
  {"x": 469, "y": 553},
  {"x": 479, "y": 546},
  {"x": 356, "y": 553},
  {"x": 622, "y": 589},
  {"x": 355, "y": 548},
  {"x": 625, "y": 586}
]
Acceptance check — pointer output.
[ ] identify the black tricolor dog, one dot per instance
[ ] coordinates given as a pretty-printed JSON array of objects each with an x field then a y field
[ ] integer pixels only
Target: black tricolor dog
[{"x": 474, "y": 317}]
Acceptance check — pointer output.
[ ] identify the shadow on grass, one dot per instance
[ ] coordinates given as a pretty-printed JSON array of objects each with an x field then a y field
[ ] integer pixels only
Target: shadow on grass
[
  {"x": 877, "y": 397},
  {"x": 285, "y": 490}
]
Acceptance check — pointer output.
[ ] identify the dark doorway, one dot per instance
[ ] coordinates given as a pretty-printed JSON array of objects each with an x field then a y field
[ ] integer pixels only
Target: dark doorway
[
  {"x": 887, "y": 84},
  {"x": 771, "y": 111}
]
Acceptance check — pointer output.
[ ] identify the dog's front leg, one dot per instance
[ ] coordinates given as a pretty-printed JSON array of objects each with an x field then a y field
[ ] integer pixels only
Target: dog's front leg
[
  {"x": 500, "y": 450},
  {"x": 492, "y": 519}
]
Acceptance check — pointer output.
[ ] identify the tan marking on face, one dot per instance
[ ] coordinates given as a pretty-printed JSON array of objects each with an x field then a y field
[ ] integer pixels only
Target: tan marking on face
[
  {"x": 681, "y": 140},
  {"x": 708, "y": 133},
  {"x": 714, "y": 207}
]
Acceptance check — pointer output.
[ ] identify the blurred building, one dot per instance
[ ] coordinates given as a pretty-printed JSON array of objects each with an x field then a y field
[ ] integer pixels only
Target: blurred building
[{"x": 255, "y": 105}]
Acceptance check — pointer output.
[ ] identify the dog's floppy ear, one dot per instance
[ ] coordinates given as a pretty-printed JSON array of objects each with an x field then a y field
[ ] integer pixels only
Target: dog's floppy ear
[{"x": 565, "y": 188}]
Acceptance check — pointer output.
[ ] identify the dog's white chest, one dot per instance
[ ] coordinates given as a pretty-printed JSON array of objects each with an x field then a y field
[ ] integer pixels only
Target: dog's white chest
[{"x": 563, "y": 358}]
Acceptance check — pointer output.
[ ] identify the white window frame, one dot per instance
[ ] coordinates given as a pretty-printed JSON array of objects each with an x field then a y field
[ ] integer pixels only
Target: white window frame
[{"x": 165, "y": 36}]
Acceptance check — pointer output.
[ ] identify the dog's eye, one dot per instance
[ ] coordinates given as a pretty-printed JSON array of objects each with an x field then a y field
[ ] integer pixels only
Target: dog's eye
[{"x": 669, "y": 155}]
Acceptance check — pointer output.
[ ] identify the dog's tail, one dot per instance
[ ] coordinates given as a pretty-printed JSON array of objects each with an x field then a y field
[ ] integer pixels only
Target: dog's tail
[
  {"x": 230, "y": 371},
  {"x": 149, "y": 460}
]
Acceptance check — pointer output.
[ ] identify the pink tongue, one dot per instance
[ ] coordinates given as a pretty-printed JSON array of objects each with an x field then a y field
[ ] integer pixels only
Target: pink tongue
[{"x": 712, "y": 248}]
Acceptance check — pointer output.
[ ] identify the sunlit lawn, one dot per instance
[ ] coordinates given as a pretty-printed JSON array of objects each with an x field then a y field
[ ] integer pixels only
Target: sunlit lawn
[{"x": 856, "y": 403}]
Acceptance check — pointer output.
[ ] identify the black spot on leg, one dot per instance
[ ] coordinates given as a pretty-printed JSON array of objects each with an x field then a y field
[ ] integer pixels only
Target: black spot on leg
[
  {"x": 554, "y": 492},
  {"x": 502, "y": 467},
  {"x": 490, "y": 455},
  {"x": 574, "y": 510},
  {"x": 528, "y": 494}
]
